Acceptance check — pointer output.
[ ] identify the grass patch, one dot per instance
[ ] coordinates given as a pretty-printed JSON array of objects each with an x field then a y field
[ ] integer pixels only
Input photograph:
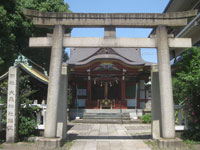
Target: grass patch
[
  {"x": 191, "y": 144},
  {"x": 1, "y": 146},
  {"x": 152, "y": 144},
  {"x": 68, "y": 144},
  {"x": 1, "y": 142},
  {"x": 188, "y": 145}
]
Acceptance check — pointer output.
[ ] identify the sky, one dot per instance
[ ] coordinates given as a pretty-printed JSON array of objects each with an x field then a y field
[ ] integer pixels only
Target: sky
[{"x": 118, "y": 6}]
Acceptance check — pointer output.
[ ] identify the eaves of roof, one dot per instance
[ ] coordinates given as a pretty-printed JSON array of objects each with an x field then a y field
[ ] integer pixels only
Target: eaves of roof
[{"x": 31, "y": 71}]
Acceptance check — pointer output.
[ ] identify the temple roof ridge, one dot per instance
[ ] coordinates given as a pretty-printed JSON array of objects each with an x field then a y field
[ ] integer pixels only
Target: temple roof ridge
[
  {"x": 108, "y": 51},
  {"x": 131, "y": 56}
]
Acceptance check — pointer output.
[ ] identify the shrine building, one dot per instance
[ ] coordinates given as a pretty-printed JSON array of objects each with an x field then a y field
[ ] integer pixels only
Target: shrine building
[{"x": 108, "y": 78}]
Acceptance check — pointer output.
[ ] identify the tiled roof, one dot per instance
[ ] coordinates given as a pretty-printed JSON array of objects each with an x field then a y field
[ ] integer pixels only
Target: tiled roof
[
  {"x": 130, "y": 56},
  {"x": 31, "y": 71}
]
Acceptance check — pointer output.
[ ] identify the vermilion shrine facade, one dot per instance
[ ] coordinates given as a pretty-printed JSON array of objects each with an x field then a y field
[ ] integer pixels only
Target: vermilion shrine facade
[{"x": 111, "y": 78}]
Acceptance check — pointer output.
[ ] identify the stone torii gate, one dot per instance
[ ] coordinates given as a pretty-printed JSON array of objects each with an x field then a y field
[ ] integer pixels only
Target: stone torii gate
[{"x": 109, "y": 21}]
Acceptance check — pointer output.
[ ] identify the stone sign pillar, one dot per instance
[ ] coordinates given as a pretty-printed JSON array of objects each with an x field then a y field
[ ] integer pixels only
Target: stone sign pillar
[
  {"x": 12, "y": 106},
  {"x": 155, "y": 104},
  {"x": 166, "y": 95},
  {"x": 1, "y": 105},
  {"x": 54, "y": 82},
  {"x": 62, "y": 111}
]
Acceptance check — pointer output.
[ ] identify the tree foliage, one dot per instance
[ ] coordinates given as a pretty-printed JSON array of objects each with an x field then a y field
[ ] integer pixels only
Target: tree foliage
[
  {"x": 186, "y": 87},
  {"x": 27, "y": 113},
  {"x": 15, "y": 30}
]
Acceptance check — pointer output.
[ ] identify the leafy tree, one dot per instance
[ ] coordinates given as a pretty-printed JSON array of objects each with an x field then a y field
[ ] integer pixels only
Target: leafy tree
[
  {"x": 15, "y": 30},
  {"x": 27, "y": 116},
  {"x": 1, "y": 61},
  {"x": 186, "y": 88}
]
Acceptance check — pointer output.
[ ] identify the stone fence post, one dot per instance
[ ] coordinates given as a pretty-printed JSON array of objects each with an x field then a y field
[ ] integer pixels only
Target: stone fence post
[
  {"x": 155, "y": 104},
  {"x": 1, "y": 105},
  {"x": 62, "y": 105}
]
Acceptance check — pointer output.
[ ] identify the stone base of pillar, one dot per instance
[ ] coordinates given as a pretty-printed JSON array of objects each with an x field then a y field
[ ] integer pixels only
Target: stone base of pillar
[
  {"x": 170, "y": 143},
  {"x": 50, "y": 143},
  {"x": 155, "y": 128}
]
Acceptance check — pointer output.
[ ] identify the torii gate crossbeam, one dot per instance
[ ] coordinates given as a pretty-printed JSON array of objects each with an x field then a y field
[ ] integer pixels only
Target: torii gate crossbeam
[
  {"x": 121, "y": 20},
  {"x": 91, "y": 42}
]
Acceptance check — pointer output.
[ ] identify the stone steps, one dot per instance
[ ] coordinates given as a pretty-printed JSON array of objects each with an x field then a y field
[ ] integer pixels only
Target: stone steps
[
  {"x": 111, "y": 118},
  {"x": 106, "y": 116},
  {"x": 107, "y": 121},
  {"x": 126, "y": 112}
]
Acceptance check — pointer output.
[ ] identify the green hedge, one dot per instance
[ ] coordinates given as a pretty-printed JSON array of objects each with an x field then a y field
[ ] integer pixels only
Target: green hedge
[{"x": 146, "y": 118}]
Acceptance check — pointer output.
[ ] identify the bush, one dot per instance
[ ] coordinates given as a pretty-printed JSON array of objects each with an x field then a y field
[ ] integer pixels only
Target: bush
[
  {"x": 146, "y": 118},
  {"x": 191, "y": 134},
  {"x": 27, "y": 120},
  {"x": 186, "y": 89}
]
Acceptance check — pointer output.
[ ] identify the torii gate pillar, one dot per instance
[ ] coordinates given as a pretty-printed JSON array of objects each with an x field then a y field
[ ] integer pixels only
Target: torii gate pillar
[
  {"x": 165, "y": 80},
  {"x": 54, "y": 82},
  {"x": 53, "y": 135}
]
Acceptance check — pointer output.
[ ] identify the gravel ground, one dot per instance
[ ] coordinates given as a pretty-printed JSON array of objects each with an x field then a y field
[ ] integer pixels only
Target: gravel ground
[{"x": 153, "y": 145}]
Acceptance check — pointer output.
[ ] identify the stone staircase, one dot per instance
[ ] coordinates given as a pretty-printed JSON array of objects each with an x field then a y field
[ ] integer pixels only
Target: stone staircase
[{"x": 114, "y": 118}]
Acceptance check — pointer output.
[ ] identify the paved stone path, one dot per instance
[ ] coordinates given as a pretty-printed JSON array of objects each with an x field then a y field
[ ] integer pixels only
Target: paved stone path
[
  {"x": 102, "y": 137},
  {"x": 98, "y": 137},
  {"x": 109, "y": 137}
]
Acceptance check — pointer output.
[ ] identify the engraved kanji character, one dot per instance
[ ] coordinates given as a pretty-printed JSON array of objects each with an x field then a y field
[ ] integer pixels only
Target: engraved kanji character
[
  {"x": 11, "y": 99},
  {"x": 11, "y": 92},
  {"x": 12, "y": 75}
]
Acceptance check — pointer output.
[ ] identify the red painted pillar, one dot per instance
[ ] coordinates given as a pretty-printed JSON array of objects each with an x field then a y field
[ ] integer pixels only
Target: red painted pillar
[
  {"x": 89, "y": 91},
  {"x": 138, "y": 98},
  {"x": 106, "y": 90},
  {"x": 73, "y": 94},
  {"x": 123, "y": 89}
]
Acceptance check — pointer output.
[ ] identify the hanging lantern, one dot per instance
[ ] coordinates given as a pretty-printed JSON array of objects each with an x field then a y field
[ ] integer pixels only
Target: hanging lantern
[
  {"x": 95, "y": 82},
  {"x": 116, "y": 81}
]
